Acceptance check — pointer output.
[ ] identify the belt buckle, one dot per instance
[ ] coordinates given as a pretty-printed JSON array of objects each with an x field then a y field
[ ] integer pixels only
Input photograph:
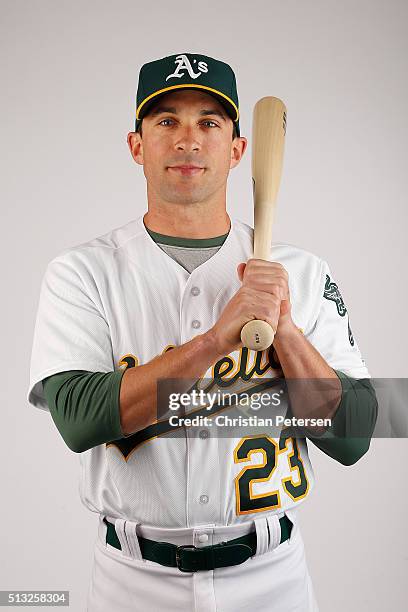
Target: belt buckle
[{"x": 178, "y": 557}]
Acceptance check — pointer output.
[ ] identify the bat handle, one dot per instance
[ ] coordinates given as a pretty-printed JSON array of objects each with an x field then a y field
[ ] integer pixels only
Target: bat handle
[{"x": 257, "y": 335}]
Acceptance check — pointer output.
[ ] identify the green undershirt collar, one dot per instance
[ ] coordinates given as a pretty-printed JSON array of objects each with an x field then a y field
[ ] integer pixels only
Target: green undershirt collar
[{"x": 193, "y": 243}]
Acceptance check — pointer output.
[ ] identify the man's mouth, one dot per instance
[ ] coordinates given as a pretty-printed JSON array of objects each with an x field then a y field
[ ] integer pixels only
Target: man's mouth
[{"x": 186, "y": 170}]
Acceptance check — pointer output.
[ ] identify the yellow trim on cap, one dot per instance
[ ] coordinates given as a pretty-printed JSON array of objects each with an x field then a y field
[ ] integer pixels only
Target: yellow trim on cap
[{"x": 184, "y": 85}]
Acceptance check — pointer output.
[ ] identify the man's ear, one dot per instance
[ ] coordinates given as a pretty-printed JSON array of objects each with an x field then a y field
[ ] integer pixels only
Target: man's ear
[
  {"x": 239, "y": 144},
  {"x": 135, "y": 145}
]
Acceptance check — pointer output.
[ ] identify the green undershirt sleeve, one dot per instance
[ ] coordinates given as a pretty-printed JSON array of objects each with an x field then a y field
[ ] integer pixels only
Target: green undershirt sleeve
[
  {"x": 353, "y": 425},
  {"x": 85, "y": 407}
]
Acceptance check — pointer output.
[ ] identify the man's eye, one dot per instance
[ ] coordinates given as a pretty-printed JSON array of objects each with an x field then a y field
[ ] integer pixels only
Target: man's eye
[{"x": 206, "y": 121}]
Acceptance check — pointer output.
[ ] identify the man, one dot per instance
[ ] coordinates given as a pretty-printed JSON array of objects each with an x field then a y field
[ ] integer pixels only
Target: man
[{"x": 165, "y": 297}]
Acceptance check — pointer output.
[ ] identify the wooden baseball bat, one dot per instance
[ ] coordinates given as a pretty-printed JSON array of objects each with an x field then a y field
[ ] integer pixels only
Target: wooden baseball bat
[{"x": 268, "y": 139}]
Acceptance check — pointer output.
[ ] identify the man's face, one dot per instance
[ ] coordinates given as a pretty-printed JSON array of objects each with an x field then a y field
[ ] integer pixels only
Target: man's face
[{"x": 186, "y": 128}]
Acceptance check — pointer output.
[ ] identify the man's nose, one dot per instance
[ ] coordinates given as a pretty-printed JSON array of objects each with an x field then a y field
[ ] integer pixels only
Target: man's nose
[{"x": 188, "y": 139}]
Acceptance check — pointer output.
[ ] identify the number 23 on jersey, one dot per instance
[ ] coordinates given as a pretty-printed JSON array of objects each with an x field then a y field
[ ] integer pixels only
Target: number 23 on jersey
[{"x": 296, "y": 485}]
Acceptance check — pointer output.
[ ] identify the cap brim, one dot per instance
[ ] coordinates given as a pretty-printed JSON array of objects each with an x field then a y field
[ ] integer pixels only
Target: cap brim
[{"x": 229, "y": 106}]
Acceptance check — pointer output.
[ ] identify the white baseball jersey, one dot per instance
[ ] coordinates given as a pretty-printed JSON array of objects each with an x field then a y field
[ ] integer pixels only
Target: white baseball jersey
[{"x": 120, "y": 300}]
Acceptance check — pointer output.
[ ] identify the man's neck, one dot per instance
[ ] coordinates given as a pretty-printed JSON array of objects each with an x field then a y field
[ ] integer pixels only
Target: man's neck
[{"x": 188, "y": 225}]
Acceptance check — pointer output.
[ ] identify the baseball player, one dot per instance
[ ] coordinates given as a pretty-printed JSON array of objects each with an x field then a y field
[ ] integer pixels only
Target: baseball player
[{"x": 193, "y": 521}]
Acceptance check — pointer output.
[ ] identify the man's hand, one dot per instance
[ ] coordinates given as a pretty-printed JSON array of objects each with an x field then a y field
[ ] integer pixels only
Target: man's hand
[{"x": 264, "y": 295}]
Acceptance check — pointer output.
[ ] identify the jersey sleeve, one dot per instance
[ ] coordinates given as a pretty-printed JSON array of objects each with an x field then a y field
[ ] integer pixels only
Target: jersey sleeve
[
  {"x": 331, "y": 333},
  {"x": 71, "y": 331}
]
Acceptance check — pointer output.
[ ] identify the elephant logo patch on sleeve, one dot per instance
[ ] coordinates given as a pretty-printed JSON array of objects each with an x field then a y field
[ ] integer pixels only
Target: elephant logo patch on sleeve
[{"x": 332, "y": 293}]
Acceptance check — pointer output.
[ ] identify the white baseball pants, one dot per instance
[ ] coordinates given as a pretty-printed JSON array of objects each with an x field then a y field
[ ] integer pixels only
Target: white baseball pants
[{"x": 275, "y": 579}]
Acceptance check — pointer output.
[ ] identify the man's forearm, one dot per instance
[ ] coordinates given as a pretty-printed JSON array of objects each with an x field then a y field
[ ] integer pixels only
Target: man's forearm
[
  {"x": 138, "y": 391},
  {"x": 315, "y": 390}
]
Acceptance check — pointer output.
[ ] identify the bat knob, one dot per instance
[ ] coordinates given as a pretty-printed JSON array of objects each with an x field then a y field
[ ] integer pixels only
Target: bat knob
[{"x": 257, "y": 335}]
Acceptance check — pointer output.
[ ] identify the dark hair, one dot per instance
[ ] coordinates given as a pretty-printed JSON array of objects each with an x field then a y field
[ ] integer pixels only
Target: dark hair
[{"x": 234, "y": 131}]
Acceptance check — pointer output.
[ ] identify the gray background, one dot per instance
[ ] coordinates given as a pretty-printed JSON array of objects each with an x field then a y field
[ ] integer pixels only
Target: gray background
[{"x": 69, "y": 76}]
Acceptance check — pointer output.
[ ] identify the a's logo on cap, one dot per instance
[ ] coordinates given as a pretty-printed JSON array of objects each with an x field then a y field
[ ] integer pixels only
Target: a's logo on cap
[{"x": 183, "y": 63}]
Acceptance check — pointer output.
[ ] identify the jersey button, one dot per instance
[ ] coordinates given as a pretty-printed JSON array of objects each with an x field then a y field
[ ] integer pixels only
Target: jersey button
[
  {"x": 203, "y": 538},
  {"x": 195, "y": 291},
  {"x": 204, "y": 499},
  {"x": 204, "y": 434},
  {"x": 196, "y": 324}
]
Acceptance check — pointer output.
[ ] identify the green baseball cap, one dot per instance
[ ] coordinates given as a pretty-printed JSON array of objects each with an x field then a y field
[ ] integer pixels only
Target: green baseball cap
[{"x": 187, "y": 71}]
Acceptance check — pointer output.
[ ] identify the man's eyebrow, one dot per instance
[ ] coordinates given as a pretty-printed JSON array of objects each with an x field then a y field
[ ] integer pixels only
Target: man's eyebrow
[
  {"x": 163, "y": 109},
  {"x": 171, "y": 109},
  {"x": 213, "y": 111}
]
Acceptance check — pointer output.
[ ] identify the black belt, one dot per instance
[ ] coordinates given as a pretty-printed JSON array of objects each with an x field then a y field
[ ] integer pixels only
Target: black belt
[{"x": 188, "y": 558}]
